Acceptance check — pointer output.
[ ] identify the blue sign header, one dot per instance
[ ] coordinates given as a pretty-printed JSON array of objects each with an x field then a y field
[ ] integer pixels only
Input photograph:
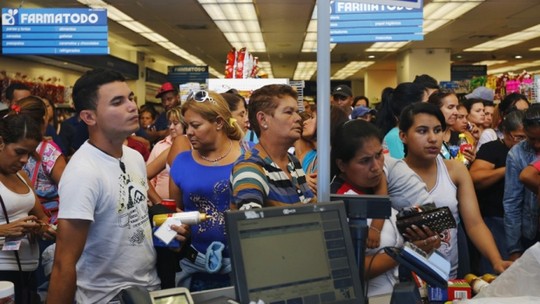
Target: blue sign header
[
  {"x": 48, "y": 31},
  {"x": 53, "y": 16}
]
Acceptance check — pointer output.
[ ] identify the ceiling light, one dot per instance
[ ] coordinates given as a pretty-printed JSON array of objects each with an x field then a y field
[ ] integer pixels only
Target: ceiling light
[
  {"x": 371, "y": 56},
  {"x": 123, "y": 19},
  {"x": 351, "y": 68},
  {"x": 266, "y": 67},
  {"x": 310, "y": 41},
  {"x": 518, "y": 57},
  {"x": 508, "y": 40},
  {"x": 459, "y": 56},
  {"x": 515, "y": 67},
  {"x": 305, "y": 70},
  {"x": 535, "y": 49},
  {"x": 238, "y": 21},
  {"x": 386, "y": 46},
  {"x": 491, "y": 62}
]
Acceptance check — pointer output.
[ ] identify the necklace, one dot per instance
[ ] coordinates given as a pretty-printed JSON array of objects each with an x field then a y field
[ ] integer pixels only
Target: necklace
[
  {"x": 216, "y": 160},
  {"x": 122, "y": 165}
]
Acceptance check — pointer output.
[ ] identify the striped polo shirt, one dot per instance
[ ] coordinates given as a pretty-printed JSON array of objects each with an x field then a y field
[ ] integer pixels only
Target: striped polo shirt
[{"x": 258, "y": 182}]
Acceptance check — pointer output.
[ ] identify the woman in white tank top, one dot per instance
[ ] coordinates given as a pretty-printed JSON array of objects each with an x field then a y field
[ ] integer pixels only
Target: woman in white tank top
[
  {"x": 422, "y": 127},
  {"x": 22, "y": 219}
]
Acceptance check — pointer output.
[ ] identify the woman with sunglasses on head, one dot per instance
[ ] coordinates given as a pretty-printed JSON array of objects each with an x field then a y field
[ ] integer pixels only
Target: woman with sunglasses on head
[
  {"x": 487, "y": 173},
  {"x": 268, "y": 175},
  {"x": 200, "y": 182},
  {"x": 422, "y": 127},
  {"x": 22, "y": 219},
  {"x": 520, "y": 204}
]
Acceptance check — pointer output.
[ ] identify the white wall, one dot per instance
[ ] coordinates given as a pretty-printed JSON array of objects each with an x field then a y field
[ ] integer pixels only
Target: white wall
[
  {"x": 434, "y": 62},
  {"x": 375, "y": 81}
]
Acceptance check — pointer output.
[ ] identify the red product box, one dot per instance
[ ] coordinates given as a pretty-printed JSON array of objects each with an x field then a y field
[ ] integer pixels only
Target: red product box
[{"x": 457, "y": 289}]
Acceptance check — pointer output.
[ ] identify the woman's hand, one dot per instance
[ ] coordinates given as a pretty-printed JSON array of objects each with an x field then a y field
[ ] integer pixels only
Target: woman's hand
[
  {"x": 501, "y": 266},
  {"x": 312, "y": 182},
  {"x": 20, "y": 227},
  {"x": 46, "y": 231},
  {"x": 424, "y": 238},
  {"x": 182, "y": 232},
  {"x": 470, "y": 155}
]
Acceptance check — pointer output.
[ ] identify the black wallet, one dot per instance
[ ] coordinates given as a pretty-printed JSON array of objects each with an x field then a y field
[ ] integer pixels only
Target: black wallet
[{"x": 437, "y": 219}]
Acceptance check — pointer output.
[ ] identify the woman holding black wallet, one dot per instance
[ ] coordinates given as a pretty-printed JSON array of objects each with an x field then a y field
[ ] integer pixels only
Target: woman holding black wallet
[
  {"x": 357, "y": 166},
  {"x": 22, "y": 219},
  {"x": 448, "y": 182}
]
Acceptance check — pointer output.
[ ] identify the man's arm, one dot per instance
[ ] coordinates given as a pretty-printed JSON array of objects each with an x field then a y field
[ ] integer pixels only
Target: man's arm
[{"x": 70, "y": 242}]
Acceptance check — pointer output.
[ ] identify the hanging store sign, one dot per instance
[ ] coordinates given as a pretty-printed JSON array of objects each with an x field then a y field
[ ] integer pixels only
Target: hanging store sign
[
  {"x": 58, "y": 31},
  {"x": 352, "y": 22}
]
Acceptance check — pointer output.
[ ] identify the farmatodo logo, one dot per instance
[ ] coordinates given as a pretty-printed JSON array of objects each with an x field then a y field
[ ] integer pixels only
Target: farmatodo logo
[{"x": 9, "y": 17}]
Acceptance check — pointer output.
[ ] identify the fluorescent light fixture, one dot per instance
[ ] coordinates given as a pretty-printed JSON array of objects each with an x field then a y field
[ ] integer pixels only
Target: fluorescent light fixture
[
  {"x": 535, "y": 49},
  {"x": 137, "y": 27},
  {"x": 266, "y": 67},
  {"x": 310, "y": 41},
  {"x": 491, "y": 62},
  {"x": 386, "y": 46},
  {"x": 305, "y": 70},
  {"x": 515, "y": 67},
  {"x": 508, "y": 40},
  {"x": 238, "y": 21},
  {"x": 351, "y": 68},
  {"x": 518, "y": 57}
]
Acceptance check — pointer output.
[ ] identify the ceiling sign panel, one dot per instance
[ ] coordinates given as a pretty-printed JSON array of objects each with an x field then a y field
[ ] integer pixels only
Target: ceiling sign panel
[
  {"x": 362, "y": 21},
  {"x": 58, "y": 31}
]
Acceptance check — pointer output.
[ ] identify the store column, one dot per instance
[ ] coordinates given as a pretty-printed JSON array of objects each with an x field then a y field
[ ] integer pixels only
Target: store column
[
  {"x": 375, "y": 81},
  {"x": 434, "y": 62},
  {"x": 140, "y": 83}
]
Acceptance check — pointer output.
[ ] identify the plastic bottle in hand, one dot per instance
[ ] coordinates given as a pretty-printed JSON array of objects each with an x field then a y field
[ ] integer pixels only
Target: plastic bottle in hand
[{"x": 463, "y": 144}]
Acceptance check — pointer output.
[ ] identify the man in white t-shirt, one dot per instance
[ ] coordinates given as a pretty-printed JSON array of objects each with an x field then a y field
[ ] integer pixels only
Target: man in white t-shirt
[{"x": 104, "y": 241}]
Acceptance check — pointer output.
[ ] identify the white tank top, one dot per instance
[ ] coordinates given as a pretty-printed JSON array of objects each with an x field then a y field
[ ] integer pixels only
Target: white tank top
[
  {"x": 444, "y": 193},
  {"x": 18, "y": 206}
]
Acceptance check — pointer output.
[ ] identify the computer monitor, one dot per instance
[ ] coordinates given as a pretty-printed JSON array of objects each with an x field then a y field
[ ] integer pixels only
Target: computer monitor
[
  {"x": 179, "y": 295},
  {"x": 365, "y": 206},
  {"x": 296, "y": 254}
]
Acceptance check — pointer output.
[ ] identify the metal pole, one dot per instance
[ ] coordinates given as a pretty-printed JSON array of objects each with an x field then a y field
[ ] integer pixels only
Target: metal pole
[{"x": 323, "y": 100}]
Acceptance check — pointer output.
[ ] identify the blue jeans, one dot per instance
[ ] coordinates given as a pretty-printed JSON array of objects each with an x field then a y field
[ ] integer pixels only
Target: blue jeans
[{"x": 496, "y": 226}]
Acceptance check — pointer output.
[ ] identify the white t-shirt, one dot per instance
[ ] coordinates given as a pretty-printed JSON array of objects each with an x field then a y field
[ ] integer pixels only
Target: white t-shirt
[{"x": 119, "y": 252}]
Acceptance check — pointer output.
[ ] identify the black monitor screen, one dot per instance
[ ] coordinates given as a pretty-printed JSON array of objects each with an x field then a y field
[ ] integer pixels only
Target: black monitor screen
[{"x": 299, "y": 255}]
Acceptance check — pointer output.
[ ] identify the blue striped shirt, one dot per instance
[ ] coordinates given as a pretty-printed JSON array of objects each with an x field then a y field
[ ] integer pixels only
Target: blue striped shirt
[{"x": 259, "y": 182}]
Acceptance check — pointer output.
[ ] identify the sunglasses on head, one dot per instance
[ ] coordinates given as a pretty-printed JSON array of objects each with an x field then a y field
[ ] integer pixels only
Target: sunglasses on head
[{"x": 202, "y": 96}]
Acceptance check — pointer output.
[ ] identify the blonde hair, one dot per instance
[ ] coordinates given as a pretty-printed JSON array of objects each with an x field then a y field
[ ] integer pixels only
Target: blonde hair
[
  {"x": 211, "y": 110},
  {"x": 176, "y": 112}
]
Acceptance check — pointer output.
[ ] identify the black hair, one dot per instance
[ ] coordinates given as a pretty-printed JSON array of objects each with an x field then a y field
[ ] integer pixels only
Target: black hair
[
  {"x": 512, "y": 122},
  {"x": 349, "y": 138},
  {"x": 426, "y": 81},
  {"x": 34, "y": 107},
  {"x": 15, "y": 86},
  {"x": 17, "y": 126},
  {"x": 265, "y": 99},
  {"x": 406, "y": 120},
  {"x": 85, "y": 90},
  {"x": 468, "y": 103},
  {"x": 508, "y": 104},
  {"x": 358, "y": 98},
  {"x": 532, "y": 116},
  {"x": 437, "y": 97},
  {"x": 488, "y": 103},
  {"x": 233, "y": 99},
  {"x": 394, "y": 101}
]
